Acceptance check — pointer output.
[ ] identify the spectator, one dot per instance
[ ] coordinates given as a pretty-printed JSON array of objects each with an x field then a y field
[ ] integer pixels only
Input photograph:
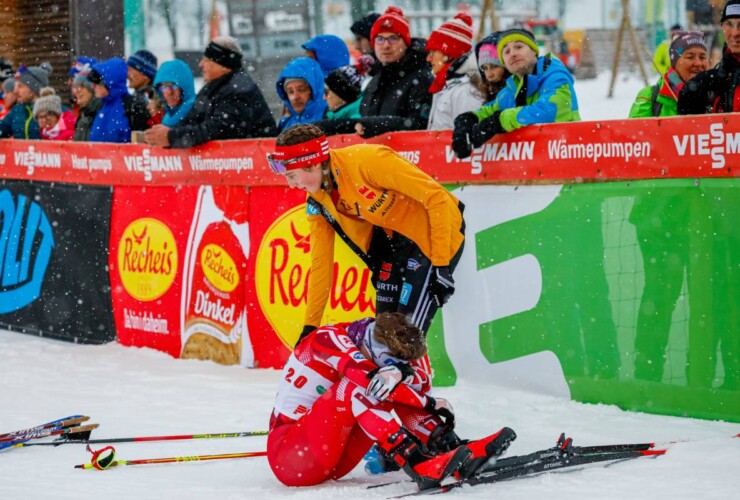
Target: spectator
[
  {"x": 361, "y": 29},
  {"x": 539, "y": 90},
  {"x": 716, "y": 90},
  {"x": 229, "y": 106},
  {"x": 300, "y": 86},
  {"x": 343, "y": 93},
  {"x": 82, "y": 64},
  {"x": 141, "y": 69},
  {"x": 109, "y": 85},
  {"x": 329, "y": 51},
  {"x": 689, "y": 57},
  {"x": 9, "y": 97},
  {"x": 175, "y": 88},
  {"x": 55, "y": 124},
  {"x": 19, "y": 122},
  {"x": 449, "y": 54},
  {"x": 492, "y": 71},
  {"x": 155, "y": 108},
  {"x": 88, "y": 104},
  {"x": 398, "y": 96},
  {"x": 662, "y": 57}
]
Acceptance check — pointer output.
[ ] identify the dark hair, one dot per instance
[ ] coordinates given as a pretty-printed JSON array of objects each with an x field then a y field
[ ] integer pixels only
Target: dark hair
[
  {"x": 404, "y": 340},
  {"x": 297, "y": 134}
]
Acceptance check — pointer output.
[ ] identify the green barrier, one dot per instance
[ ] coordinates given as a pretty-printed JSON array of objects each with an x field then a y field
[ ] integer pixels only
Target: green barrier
[{"x": 640, "y": 298}]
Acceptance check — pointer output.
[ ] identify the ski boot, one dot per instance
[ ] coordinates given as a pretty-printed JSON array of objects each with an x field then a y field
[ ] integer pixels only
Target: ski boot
[
  {"x": 483, "y": 450},
  {"x": 426, "y": 469}
]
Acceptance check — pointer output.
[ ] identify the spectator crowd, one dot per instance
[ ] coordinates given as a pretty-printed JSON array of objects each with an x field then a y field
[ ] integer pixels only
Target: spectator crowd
[{"x": 389, "y": 81}]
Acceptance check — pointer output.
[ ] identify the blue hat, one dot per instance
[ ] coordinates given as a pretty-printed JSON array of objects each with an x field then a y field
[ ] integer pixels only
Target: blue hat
[
  {"x": 82, "y": 64},
  {"x": 144, "y": 62}
]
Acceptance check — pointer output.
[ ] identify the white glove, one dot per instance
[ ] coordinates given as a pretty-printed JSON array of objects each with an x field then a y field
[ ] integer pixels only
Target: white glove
[{"x": 384, "y": 381}]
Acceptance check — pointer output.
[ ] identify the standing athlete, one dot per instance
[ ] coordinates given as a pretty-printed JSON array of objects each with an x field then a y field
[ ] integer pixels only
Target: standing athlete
[{"x": 405, "y": 226}]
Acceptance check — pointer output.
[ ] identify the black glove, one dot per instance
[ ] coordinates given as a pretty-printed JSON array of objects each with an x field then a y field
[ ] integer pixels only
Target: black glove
[
  {"x": 441, "y": 285},
  {"x": 307, "y": 329},
  {"x": 442, "y": 408},
  {"x": 464, "y": 125},
  {"x": 486, "y": 129}
]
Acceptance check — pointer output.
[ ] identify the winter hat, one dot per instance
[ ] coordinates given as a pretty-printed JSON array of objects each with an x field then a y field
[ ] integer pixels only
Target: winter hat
[
  {"x": 345, "y": 82},
  {"x": 82, "y": 65},
  {"x": 286, "y": 81},
  {"x": 144, "y": 62},
  {"x": 48, "y": 102},
  {"x": 731, "y": 10},
  {"x": 34, "y": 77},
  {"x": 9, "y": 85},
  {"x": 364, "y": 25},
  {"x": 488, "y": 54},
  {"x": 684, "y": 40},
  {"x": 82, "y": 81},
  {"x": 454, "y": 38},
  {"x": 516, "y": 35},
  {"x": 393, "y": 21}
]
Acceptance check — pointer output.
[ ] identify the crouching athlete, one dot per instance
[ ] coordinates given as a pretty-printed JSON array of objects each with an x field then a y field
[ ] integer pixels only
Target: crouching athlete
[{"x": 335, "y": 399}]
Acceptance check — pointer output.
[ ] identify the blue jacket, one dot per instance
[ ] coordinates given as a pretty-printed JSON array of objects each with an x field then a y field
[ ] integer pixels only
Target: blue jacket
[
  {"x": 550, "y": 97},
  {"x": 330, "y": 51},
  {"x": 19, "y": 123},
  {"x": 111, "y": 123},
  {"x": 309, "y": 70},
  {"x": 176, "y": 71}
]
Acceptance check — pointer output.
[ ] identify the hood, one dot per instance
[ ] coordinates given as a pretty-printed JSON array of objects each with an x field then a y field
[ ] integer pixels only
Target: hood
[
  {"x": 114, "y": 73},
  {"x": 463, "y": 65},
  {"x": 309, "y": 70},
  {"x": 330, "y": 51},
  {"x": 176, "y": 71}
]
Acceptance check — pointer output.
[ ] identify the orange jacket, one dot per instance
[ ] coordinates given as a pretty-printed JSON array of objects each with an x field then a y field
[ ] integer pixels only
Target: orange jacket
[{"x": 377, "y": 187}]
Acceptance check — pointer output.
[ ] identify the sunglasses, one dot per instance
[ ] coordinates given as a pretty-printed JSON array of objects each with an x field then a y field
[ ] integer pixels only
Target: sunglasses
[{"x": 277, "y": 166}]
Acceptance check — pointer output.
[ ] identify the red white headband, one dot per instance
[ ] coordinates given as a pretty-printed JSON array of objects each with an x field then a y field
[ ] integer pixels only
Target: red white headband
[{"x": 299, "y": 155}]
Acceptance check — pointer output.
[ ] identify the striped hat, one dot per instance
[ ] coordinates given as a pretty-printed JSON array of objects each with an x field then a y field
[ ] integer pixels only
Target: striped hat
[
  {"x": 454, "y": 38},
  {"x": 516, "y": 35}
]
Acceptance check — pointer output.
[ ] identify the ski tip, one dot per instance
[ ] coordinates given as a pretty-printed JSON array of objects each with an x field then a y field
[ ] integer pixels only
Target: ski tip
[{"x": 651, "y": 453}]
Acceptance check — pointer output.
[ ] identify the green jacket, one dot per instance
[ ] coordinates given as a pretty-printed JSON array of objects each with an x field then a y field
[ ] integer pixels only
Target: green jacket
[
  {"x": 348, "y": 111},
  {"x": 659, "y": 99},
  {"x": 549, "y": 97}
]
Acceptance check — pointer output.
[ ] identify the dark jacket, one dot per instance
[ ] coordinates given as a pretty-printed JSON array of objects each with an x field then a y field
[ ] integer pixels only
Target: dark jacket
[
  {"x": 229, "y": 107},
  {"x": 398, "y": 97},
  {"x": 712, "y": 91},
  {"x": 136, "y": 112},
  {"x": 85, "y": 120},
  {"x": 19, "y": 123}
]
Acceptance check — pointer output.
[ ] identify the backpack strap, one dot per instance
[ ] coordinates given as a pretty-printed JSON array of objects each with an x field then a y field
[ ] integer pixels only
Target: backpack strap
[{"x": 654, "y": 104}]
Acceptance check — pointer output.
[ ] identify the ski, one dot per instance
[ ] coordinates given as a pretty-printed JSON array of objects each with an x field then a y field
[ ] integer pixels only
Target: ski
[
  {"x": 73, "y": 440},
  {"x": 18, "y": 442},
  {"x": 54, "y": 424},
  {"x": 562, "y": 456}
]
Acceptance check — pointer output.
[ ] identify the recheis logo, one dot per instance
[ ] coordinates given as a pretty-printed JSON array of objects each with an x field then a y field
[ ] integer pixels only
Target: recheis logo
[
  {"x": 147, "y": 259},
  {"x": 219, "y": 268},
  {"x": 147, "y": 163},
  {"x": 26, "y": 243},
  {"x": 281, "y": 278},
  {"x": 33, "y": 160},
  {"x": 716, "y": 144}
]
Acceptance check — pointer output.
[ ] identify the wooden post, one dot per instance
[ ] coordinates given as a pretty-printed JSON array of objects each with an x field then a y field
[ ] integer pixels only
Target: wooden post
[
  {"x": 488, "y": 7},
  {"x": 626, "y": 23}
]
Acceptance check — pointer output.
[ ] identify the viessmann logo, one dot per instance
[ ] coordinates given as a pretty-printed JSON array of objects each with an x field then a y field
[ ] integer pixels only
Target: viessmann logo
[
  {"x": 219, "y": 268},
  {"x": 716, "y": 144},
  {"x": 31, "y": 160},
  {"x": 147, "y": 259},
  {"x": 26, "y": 244},
  {"x": 147, "y": 163}
]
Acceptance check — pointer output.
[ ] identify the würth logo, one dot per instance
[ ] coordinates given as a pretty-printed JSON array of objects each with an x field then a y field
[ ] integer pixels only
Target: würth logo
[{"x": 716, "y": 144}]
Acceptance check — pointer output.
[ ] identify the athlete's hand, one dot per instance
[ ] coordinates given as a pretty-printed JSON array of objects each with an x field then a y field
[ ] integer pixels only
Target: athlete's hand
[
  {"x": 384, "y": 380},
  {"x": 442, "y": 408},
  {"x": 441, "y": 286}
]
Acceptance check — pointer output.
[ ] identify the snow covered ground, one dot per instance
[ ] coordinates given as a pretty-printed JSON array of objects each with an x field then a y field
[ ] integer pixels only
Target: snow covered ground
[{"x": 140, "y": 392}]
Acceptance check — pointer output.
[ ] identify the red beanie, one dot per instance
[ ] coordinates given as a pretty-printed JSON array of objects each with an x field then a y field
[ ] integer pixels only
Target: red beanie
[
  {"x": 393, "y": 21},
  {"x": 454, "y": 38}
]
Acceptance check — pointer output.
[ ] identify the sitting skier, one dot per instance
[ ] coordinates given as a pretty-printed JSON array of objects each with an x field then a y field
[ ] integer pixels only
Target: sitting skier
[{"x": 335, "y": 399}]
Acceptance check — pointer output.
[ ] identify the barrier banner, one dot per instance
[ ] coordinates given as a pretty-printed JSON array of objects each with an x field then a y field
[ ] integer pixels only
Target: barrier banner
[
  {"x": 53, "y": 258},
  {"x": 149, "y": 237}
]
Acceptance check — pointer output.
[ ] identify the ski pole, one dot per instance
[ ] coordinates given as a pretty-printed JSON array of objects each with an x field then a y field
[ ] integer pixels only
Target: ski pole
[
  {"x": 141, "y": 439},
  {"x": 194, "y": 458}
]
